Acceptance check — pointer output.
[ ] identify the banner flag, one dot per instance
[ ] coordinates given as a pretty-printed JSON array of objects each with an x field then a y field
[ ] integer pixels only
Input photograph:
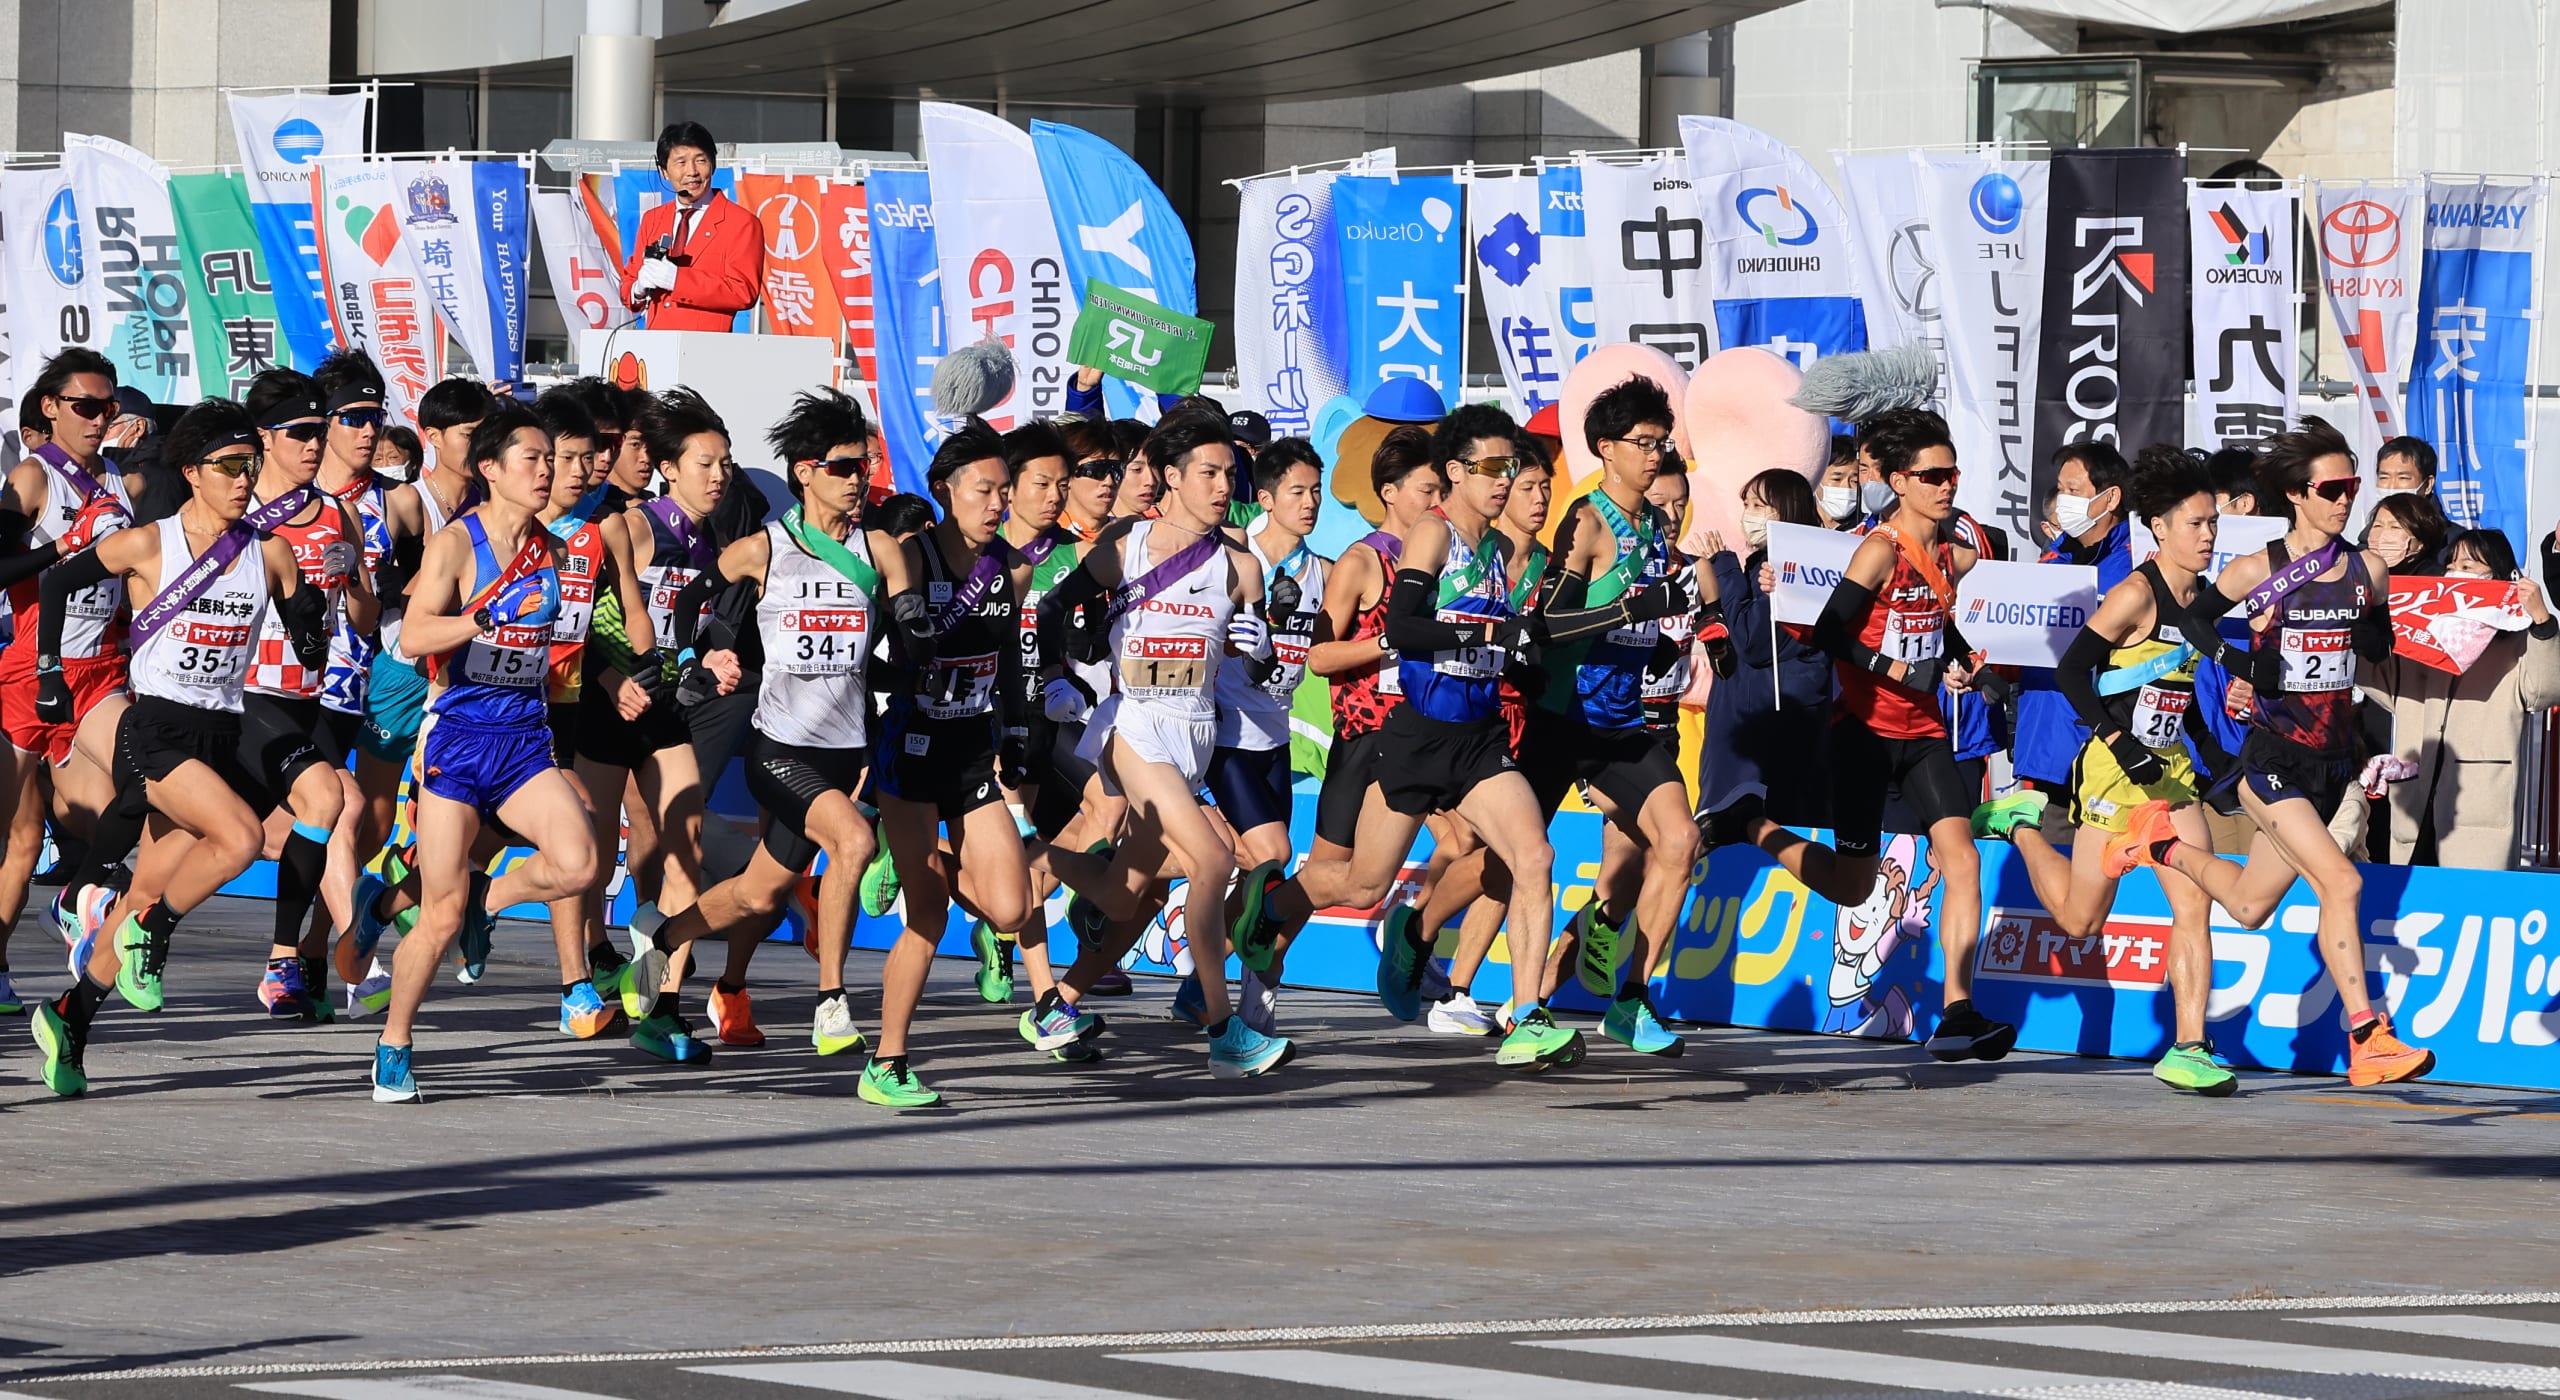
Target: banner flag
[
  {"x": 844, "y": 247},
  {"x": 1526, "y": 231},
  {"x": 1899, "y": 280},
  {"x": 2448, "y": 622},
  {"x": 1134, "y": 340},
  {"x": 2113, "y": 364},
  {"x": 636, "y": 192},
  {"x": 379, "y": 302},
  {"x": 10, "y": 443},
  {"x": 1404, "y": 279},
  {"x": 2369, "y": 270},
  {"x": 583, "y": 278},
  {"x": 2475, "y": 320},
  {"x": 1809, "y": 562},
  {"x": 282, "y": 140},
  {"x": 1002, "y": 272},
  {"x": 1779, "y": 269},
  {"x": 499, "y": 188},
  {"x": 1290, "y": 345},
  {"x": 2241, "y": 246},
  {"x": 238, "y": 336},
  {"x": 1114, "y": 226},
  {"x": 52, "y": 302},
  {"x": 1648, "y": 250},
  {"x": 1986, "y": 228},
  {"x": 145, "y": 321},
  {"x": 433, "y": 200},
  {"x": 799, "y": 291},
  {"x": 907, "y": 283},
  {"x": 2025, "y": 614}
]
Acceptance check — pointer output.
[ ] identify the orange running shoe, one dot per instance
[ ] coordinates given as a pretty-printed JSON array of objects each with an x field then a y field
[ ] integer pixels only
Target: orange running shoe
[
  {"x": 734, "y": 1017},
  {"x": 2381, "y": 1058},
  {"x": 2146, "y": 826}
]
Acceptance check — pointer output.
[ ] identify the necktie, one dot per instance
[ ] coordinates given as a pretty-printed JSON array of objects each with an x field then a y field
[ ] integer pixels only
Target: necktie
[{"x": 684, "y": 226}]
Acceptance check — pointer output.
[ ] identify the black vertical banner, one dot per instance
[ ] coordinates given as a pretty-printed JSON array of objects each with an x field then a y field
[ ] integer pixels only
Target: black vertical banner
[{"x": 2114, "y": 351}]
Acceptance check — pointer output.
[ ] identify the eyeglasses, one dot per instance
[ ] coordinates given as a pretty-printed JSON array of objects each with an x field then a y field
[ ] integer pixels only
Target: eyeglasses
[
  {"x": 1935, "y": 476},
  {"x": 302, "y": 432},
  {"x": 2338, "y": 488},
  {"x": 228, "y": 466},
  {"x": 1098, "y": 469},
  {"x": 358, "y": 418},
  {"x": 1501, "y": 468},
  {"x": 87, "y": 407},
  {"x": 1650, "y": 446},
  {"x": 844, "y": 468}
]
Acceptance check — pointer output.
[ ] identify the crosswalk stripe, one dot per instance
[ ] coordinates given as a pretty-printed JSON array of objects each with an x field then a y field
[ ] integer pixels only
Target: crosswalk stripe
[
  {"x": 2513, "y": 1331},
  {"x": 1884, "y": 1371},
  {"x": 905, "y": 1380},
  {"x": 1384, "y": 1375},
  {"x": 419, "y": 1387},
  {"x": 2274, "y": 1356}
]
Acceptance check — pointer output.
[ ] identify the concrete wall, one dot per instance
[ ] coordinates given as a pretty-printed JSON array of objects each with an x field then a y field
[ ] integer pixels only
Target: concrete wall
[{"x": 150, "y": 72}]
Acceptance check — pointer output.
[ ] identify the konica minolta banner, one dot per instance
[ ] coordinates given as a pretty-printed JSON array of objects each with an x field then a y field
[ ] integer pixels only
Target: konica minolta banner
[
  {"x": 1779, "y": 269},
  {"x": 2466, "y": 383},
  {"x": 283, "y": 139},
  {"x": 2113, "y": 365}
]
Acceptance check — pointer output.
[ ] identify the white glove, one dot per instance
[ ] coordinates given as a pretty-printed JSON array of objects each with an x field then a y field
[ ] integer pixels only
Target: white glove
[
  {"x": 338, "y": 560},
  {"x": 656, "y": 275},
  {"x": 1250, "y": 636},
  {"x": 1063, "y": 703}
]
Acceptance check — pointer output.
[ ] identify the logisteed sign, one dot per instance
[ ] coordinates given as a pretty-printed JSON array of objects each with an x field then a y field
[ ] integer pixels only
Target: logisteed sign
[
  {"x": 2369, "y": 271},
  {"x": 2113, "y": 362}
]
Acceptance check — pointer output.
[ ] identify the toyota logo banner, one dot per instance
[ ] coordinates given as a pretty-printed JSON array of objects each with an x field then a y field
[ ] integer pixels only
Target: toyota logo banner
[{"x": 2368, "y": 249}]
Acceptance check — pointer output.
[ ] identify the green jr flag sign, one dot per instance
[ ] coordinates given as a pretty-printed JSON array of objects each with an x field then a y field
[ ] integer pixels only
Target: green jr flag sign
[{"x": 1129, "y": 337}]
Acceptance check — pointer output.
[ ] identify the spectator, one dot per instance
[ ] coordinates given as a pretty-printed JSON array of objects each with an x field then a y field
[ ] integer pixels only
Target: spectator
[
  {"x": 396, "y": 454},
  {"x": 1841, "y": 507},
  {"x": 2235, "y": 480},
  {"x": 2089, "y": 480},
  {"x": 1770, "y": 718},
  {"x": 2465, "y": 733},
  {"x": 2409, "y": 530},
  {"x": 2405, "y": 464}
]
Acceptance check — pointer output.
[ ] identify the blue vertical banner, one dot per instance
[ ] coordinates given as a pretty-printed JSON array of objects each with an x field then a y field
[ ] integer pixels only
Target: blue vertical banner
[
  {"x": 2475, "y": 334},
  {"x": 1288, "y": 299},
  {"x": 906, "y": 291},
  {"x": 636, "y": 192},
  {"x": 283, "y": 138},
  {"x": 1404, "y": 279},
  {"x": 506, "y": 261},
  {"x": 1114, "y": 226},
  {"x": 1560, "y": 225}
]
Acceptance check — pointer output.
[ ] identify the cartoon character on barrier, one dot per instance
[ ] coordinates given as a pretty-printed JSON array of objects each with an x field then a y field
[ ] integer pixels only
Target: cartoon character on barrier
[
  {"x": 1164, "y": 943},
  {"x": 1867, "y": 937}
]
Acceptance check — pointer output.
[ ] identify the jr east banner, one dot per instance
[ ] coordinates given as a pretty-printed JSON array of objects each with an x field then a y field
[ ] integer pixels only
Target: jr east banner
[
  {"x": 1002, "y": 272},
  {"x": 146, "y": 320},
  {"x": 378, "y": 301},
  {"x": 1404, "y": 279},
  {"x": 1779, "y": 269},
  {"x": 2466, "y": 384},
  {"x": 799, "y": 298},
  {"x": 237, "y": 335},
  {"x": 2113, "y": 364},
  {"x": 464, "y": 224},
  {"x": 2368, "y": 242},
  {"x": 282, "y": 142},
  {"x": 1290, "y": 348},
  {"x": 1897, "y": 252},
  {"x": 906, "y": 284},
  {"x": 1986, "y": 226},
  {"x": 52, "y": 303},
  {"x": 1647, "y": 249},
  {"x": 1114, "y": 226},
  {"x": 2241, "y": 251},
  {"x": 584, "y": 280},
  {"x": 1533, "y": 268}
]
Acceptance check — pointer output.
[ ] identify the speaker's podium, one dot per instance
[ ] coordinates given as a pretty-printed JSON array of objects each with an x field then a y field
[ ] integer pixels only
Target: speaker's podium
[{"x": 748, "y": 379}]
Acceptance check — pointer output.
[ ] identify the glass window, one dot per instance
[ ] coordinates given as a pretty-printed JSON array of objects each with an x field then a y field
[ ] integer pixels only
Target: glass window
[
  {"x": 2059, "y": 104},
  {"x": 741, "y": 117},
  {"x": 527, "y": 119},
  {"x": 450, "y": 117}
]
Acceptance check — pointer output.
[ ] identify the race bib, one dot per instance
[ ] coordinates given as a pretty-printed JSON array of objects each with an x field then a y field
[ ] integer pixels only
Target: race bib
[
  {"x": 1914, "y": 636},
  {"x": 515, "y": 657},
  {"x": 1292, "y": 654},
  {"x": 209, "y": 654},
  {"x": 2317, "y": 660},
  {"x": 1163, "y": 668},
  {"x": 1474, "y": 663},
  {"x": 1391, "y": 675},
  {"x": 958, "y": 687},
  {"x": 2157, "y": 713},
  {"x": 825, "y": 642},
  {"x": 1639, "y": 636}
]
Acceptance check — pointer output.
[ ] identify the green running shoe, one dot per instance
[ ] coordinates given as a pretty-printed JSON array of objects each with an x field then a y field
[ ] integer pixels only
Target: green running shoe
[
  {"x": 670, "y": 1037},
  {"x": 2001, "y": 816},
  {"x": 63, "y": 1044},
  {"x": 141, "y": 957},
  {"x": 1537, "y": 1042},
  {"x": 2193, "y": 1067},
  {"x": 395, "y": 870},
  {"x": 894, "y": 1086},
  {"x": 879, "y": 880},
  {"x": 1400, "y": 966},
  {"x": 1255, "y": 938},
  {"x": 1631, "y": 1023},
  {"x": 608, "y": 968},
  {"x": 995, "y": 963},
  {"x": 1603, "y": 946}
]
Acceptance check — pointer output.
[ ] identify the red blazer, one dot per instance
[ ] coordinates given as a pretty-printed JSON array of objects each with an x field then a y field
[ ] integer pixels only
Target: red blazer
[{"x": 719, "y": 270}]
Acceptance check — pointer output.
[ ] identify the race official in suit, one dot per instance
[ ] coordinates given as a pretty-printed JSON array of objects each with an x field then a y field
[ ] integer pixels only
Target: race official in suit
[{"x": 714, "y": 267}]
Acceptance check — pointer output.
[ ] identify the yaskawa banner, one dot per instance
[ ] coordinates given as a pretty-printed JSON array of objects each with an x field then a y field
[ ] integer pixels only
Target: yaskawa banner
[
  {"x": 1779, "y": 269},
  {"x": 138, "y": 276},
  {"x": 1987, "y": 229},
  {"x": 1290, "y": 350},
  {"x": 282, "y": 141},
  {"x": 2241, "y": 243},
  {"x": 1526, "y": 230},
  {"x": 1114, "y": 226},
  {"x": 1403, "y": 254},
  {"x": 2475, "y": 331},
  {"x": 43, "y": 245},
  {"x": 1648, "y": 250},
  {"x": 239, "y": 334},
  {"x": 906, "y": 287},
  {"x": 1003, "y": 275}
]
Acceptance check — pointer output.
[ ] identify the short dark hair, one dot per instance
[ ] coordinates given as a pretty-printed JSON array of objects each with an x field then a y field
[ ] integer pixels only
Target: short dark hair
[
  {"x": 1031, "y": 442},
  {"x": 694, "y": 134},
  {"x": 1086, "y": 438},
  {"x": 1460, "y": 427},
  {"x": 2416, "y": 449},
  {"x": 977, "y": 441},
  {"x": 2235, "y": 473},
  {"x": 210, "y": 424},
  {"x": 2284, "y": 466},
  {"x": 489, "y": 441},
  {"x": 1897, "y": 436},
  {"x": 58, "y": 371},
  {"x": 901, "y": 514},
  {"x": 1131, "y": 435},
  {"x": 603, "y": 408},
  {"x": 2491, "y": 544},
  {"x": 1789, "y": 496},
  {"x": 2421, "y": 515},
  {"x": 2104, "y": 464},
  {"x": 2164, "y": 475},
  {"x": 344, "y": 367},
  {"x": 454, "y": 402},
  {"x": 1617, "y": 410},
  {"x": 563, "y": 415},
  {"x": 406, "y": 442},
  {"x": 1844, "y": 448},
  {"x": 669, "y": 419},
  {"x": 1184, "y": 432},
  {"x": 1272, "y": 465},
  {"x": 1405, "y": 450},
  {"x": 817, "y": 420},
  {"x": 288, "y": 390}
]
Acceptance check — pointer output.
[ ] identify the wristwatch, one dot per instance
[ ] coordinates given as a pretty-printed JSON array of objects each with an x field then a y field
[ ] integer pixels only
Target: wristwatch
[
  {"x": 1383, "y": 648},
  {"x": 486, "y": 623}
]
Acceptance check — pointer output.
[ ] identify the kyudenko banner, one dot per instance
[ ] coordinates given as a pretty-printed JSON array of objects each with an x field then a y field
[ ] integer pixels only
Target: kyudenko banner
[{"x": 2242, "y": 242}]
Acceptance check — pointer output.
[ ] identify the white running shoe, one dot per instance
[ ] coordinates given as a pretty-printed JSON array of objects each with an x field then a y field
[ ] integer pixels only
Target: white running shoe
[
  {"x": 1458, "y": 1015},
  {"x": 370, "y": 995},
  {"x": 1258, "y": 1002},
  {"x": 645, "y": 920}
]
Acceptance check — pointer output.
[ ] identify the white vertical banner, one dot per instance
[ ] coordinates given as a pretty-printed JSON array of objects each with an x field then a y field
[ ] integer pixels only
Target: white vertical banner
[
  {"x": 378, "y": 301},
  {"x": 1002, "y": 273},
  {"x": 2368, "y": 242},
  {"x": 44, "y": 252},
  {"x": 1779, "y": 271},
  {"x": 1987, "y": 224},
  {"x": 584, "y": 279},
  {"x": 1525, "y": 271},
  {"x": 1648, "y": 252},
  {"x": 1897, "y": 256},
  {"x": 137, "y": 272},
  {"x": 434, "y": 200},
  {"x": 283, "y": 138},
  {"x": 1288, "y": 297},
  {"x": 2241, "y": 295}
]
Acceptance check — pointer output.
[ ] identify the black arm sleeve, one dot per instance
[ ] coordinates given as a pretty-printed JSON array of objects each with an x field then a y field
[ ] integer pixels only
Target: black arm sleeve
[
  {"x": 1564, "y": 614},
  {"x": 689, "y": 603},
  {"x": 1835, "y": 633},
  {"x": 2196, "y": 625},
  {"x": 398, "y": 568},
  {"x": 1061, "y": 609},
  {"x": 1411, "y": 626},
  {"x": 2373, "y": 636},
  {"x": 19, "y": 560},
  {"x": 2077, "y": 678},
  {"x": 2551, "y": 566},
  {"x": 305, "y": 615},
  {"x": 82, "y": 570}
]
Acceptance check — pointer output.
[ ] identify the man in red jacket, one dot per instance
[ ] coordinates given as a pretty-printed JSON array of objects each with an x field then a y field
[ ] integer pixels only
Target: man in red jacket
[{"x": 714, "y": 250}]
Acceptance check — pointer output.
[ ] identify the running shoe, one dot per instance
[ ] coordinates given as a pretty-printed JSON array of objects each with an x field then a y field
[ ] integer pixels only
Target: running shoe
[
  {"x": 370, "y": 888},
  {"x": 1256, "y": 938},
  {"x": 9, "y": 1003},
  {"x": 63, "y": 1045},
  {"x": 315, "y": 981},
  {"x": 1082, "y": 1052},
  {"x": 893, "y": 1085},
  {"x": 1244, "y": 1052},
  {"x": 1400, "y": 966},
  {"x": 1603, "y": 948},
  {"x": 370, "y": 995},
  {"x": 81, "y": 949},
  {"x": 1435, "y": 982},
  {"x": 641, "y": 982},
  {"x": 283, "y": 990},
  {"x": 1085, "y": 918},
  {"x": 1114, "y": 982},
  {"x": 670, "y": 1037},
  {"x": 879, "y": 882},
  {"x": 479, "y": 924},
  {"x": 1966, "y": 1034},
  {"x": 1258, "y": 1002},
  {"x": 392, "y": 1081},
  {"x": 733, "y": 1018},
  {"x": 1056, "y": 1024},
  {"x": 1190, "y": 1003},
  {"x": 2194, "y": 1067},
  {"x": 143, "y": 955},
  {"x": 1458, "y": 1014},
  {"x": 833, "y": 1032},
  {"x": 645, "y": 922},
  {"x": 87, "y": 909},
  {"x": 1631, "y": 1023},
  {"x": 2382, "y": 1058},
  {"x": 1503, "y": 1020},
  {"x": 2145, "y": 827},
  {"x": 607, "y": 966},
  {"x": 584, "y": 1013},
  {"x": 1536, "y": 1042},
  {"x": 1999, "y": 818},
  {"x": 995, "y": 964}
]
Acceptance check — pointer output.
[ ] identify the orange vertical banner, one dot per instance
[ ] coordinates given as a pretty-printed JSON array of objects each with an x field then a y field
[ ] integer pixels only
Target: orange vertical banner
[
  {"x": 845, "y": 216},
  {"x": 799, "y": 298}
]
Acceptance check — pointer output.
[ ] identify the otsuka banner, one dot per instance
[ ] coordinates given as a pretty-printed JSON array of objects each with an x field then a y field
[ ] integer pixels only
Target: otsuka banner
[
  {"x": 1532, "y": 267},
  {"x": 378, "y": 302},
  {"x": 238, "y": 332},
  {"x": 146, "y": 318},
  {"x": 1002, "y": 273},
  {"x": 799, "y": 292},
  {"x": 2241, "y": 248},
  {"x": 1404, "y": 279},
  {"x": 283, "y": 140},
  {"x": 2021, "y": 614},
  {"x": 1114, "y": 226},
  {"x": 907, "y": 287},
  {"x": 52, "y": 305},
  {"x": 1779, "y": 269},
  {"x": 584, "y": 280},
  {"x": 1986, "y": 226},
  {"x": 2475, "y": 331},
  {"x": 1648, "y": 250},
  {"x": 1290, "y": 347},
  {"x": 2368, "y": 247},
  {"x": 1809, "y": 563}
]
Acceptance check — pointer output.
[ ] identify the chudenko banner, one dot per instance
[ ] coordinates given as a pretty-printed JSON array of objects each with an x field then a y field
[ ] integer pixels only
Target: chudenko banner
[
  {"x": 2367, "y": 237},
  {"x": 2475, "y": 331},
  {"x": 1403, "y": 255},
  {"x": 137, "y": 275},
  {"x": 1531, "y": 265},
  {"x": 51, "y": 306},
  {"x": 1114, "y": 227},
  {"x": 1986, "y": 222},
  {"x": 1898, "y": 277},
  {"x": 2241, "y": 244},
  {"x": 1779, "y": 269},
  {"x": 238, "y": 334},
  {"x": 283, "y": 141},
  {"x": 1647, "y": 249},
  {"x": 378, "y": 301},
  {"x": 1290, "y": 348},
  {"x": 584, "y": 279},
  {"x": 906, "y": 283},
  {"x": 1002, "y": 272}
]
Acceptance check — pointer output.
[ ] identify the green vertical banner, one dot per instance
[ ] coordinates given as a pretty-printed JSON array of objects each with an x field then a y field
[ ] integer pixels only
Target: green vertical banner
[{"x": 236, "y": 332}]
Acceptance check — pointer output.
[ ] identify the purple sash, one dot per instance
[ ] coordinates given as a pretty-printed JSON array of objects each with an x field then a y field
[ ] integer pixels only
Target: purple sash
[
  {"x": 1038, "y": 549},
  {"x": 1186, "y": 561},
  {"x": 2294, "y": 574},
  {"x": 973, "y": 589},
  {"x": 666, "y": 512},
  {"x": 69, "y": 471},
  {"x": 189, "y": 585},
  {"x": 1389, "y": 548}
]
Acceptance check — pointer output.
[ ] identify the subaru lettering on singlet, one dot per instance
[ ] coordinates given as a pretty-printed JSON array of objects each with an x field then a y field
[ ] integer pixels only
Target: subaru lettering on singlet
[{"x": 2314, "y": 633}]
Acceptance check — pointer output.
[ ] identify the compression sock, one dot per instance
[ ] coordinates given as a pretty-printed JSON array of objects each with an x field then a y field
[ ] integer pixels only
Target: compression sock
[
  {"x": 79, "y": 1006},
  {"x": 298, "y": 870},
  {"x": 160, "y": 920},
  {"x": 111, "y": 839}
]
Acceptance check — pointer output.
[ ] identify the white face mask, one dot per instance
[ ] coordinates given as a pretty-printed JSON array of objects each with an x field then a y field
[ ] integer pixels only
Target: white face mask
[
  {"x": 1755, "y": 530},
  {"x": 1839, "y": 502},
  {"x": 2071, "y": 513}
]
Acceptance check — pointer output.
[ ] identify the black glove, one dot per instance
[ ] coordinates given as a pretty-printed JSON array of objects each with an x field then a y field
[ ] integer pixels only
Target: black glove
[
  {"x": 2136, "y": 759},
  {"x": 2265, "y": 673},
  {"x": 1013, "y": 758},
  {"x": 697, "y": 686},
  {"x": 53, "y": 692},
  {"x": 914, "y": 620},
  {"x": 1280, "y": 602},
  {"x": 650, "y": 674},
  {"x": 1089, "y": 633},
  {"x": 1923, "y": 676},
  {"x": 1676, "y": 593},
  {"x": 1511, "y": 638},
  {"x": 1994, "y": 686}
]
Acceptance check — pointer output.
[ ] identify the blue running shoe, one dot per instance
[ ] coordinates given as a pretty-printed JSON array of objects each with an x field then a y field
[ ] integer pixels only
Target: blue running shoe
[
  {"x": 584, "y": 1013},
  {"x": 479, "y": 925},
  {"x": 283, "y": 989},
  {"x": 1400, "y": 966},
  {"x": 1631, "y": 1023},
  {"x": 1189, "y": 1003},
  {"x": 1244, "y": 1052},
  {"x": 369, "y": 922},
  {"x": 81, "y": 948},
  {"x": 392, "y": 1081}
]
